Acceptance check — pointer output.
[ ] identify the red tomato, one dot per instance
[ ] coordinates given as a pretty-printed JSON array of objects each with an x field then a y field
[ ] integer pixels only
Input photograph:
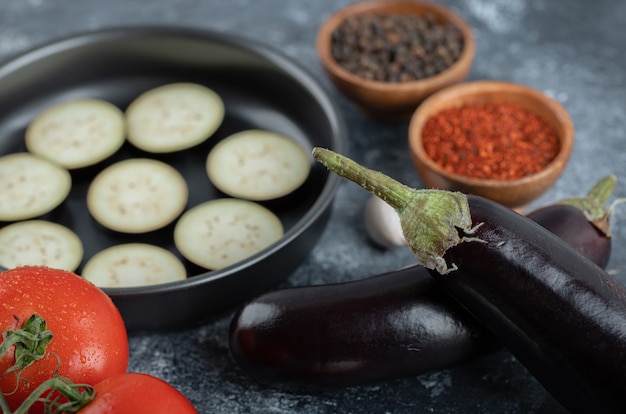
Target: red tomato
[
  {"x": 89, "y": 336},
  {"x": 135, "y": 393}
]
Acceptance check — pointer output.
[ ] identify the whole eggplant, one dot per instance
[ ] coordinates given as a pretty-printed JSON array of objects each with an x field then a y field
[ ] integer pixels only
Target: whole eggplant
[
  {"x": 559, "y": 313},
  {"x": 391, "y": 325},
  {"x": 387, "y": 326},
  {"x": 583, "y": 222}
]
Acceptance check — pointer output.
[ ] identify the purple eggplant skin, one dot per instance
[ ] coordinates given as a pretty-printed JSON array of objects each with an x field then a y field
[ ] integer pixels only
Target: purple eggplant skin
[
  {"x": 383, "y": 327},
  {"x": 561, "y": 315},
  {"x": 387, "y": 326},
  {"x": 571, "y": 225}
]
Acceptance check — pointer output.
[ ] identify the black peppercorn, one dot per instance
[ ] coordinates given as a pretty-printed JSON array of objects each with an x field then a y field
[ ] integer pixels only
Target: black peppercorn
[{"x": 394, "y": 47}]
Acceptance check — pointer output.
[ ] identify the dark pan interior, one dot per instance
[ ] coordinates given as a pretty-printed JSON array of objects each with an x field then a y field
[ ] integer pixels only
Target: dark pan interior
[{"x": 260, "y": 89}]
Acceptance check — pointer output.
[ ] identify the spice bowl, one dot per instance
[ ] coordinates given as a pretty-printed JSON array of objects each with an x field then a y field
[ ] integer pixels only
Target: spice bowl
[
  {"x": 437, "y": 51},
  {"x": 511, "y": 166}
]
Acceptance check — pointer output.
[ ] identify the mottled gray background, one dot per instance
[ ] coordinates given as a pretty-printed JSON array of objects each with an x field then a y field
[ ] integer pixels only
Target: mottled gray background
[{"x": 573, "y": 50}]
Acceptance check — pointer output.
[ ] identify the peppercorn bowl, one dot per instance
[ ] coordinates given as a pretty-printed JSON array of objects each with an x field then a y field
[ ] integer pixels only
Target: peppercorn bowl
[
  {"x": 387, "y": 56},
  {"x": 513, "y": 129}
]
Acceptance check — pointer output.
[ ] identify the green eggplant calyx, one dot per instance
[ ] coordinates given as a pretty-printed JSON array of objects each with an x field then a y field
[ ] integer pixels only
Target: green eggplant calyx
[
  {"x": 593, "y": 204},
  {"x": 431, "y": 220}
]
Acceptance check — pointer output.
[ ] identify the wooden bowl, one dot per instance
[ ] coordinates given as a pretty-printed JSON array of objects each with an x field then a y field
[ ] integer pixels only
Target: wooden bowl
[
  {"x": 386, "y": 100},
  {"x": 511, "y": 193}
]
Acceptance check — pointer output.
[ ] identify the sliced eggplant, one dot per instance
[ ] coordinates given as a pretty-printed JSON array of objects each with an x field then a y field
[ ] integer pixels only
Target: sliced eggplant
[
  {"x": 40, "y": 243},
  {"x": 174, "y": 117},
  {"x": 258, "y": 165},
  {"x": 77, "y": 133},
  {"x": 133, "y": 264},
  {"x": 137, "y": 195},
  {"x": 221, "y": 232},
  {"x": 30, "y": 186}
]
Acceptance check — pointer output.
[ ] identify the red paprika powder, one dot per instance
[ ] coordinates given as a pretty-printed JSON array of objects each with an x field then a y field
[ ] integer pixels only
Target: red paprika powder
[{"x": 499, "y": 141}]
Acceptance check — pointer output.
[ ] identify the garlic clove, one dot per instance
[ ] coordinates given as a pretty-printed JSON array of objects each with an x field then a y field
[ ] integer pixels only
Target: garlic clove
[{"x": 382, "y": 224}]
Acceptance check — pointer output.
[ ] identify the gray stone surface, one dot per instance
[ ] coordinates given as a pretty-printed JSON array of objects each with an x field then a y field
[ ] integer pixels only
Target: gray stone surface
[{"x": 574, "y": 50}]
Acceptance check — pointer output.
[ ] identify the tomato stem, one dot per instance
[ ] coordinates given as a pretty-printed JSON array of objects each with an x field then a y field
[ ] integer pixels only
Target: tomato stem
[
  {"x": 4, "y": 405},
  {"x": 77, "y": 396},
  {"x": 30, "y": 342}
]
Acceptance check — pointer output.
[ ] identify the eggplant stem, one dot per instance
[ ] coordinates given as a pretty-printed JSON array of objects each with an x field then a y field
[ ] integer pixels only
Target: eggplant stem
[
  {"x": 432, "y": 220},
  {"x": 611, "y": 209},
  {"x": 593, "y": 204},
  {"x": 384, "y": 187}
]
